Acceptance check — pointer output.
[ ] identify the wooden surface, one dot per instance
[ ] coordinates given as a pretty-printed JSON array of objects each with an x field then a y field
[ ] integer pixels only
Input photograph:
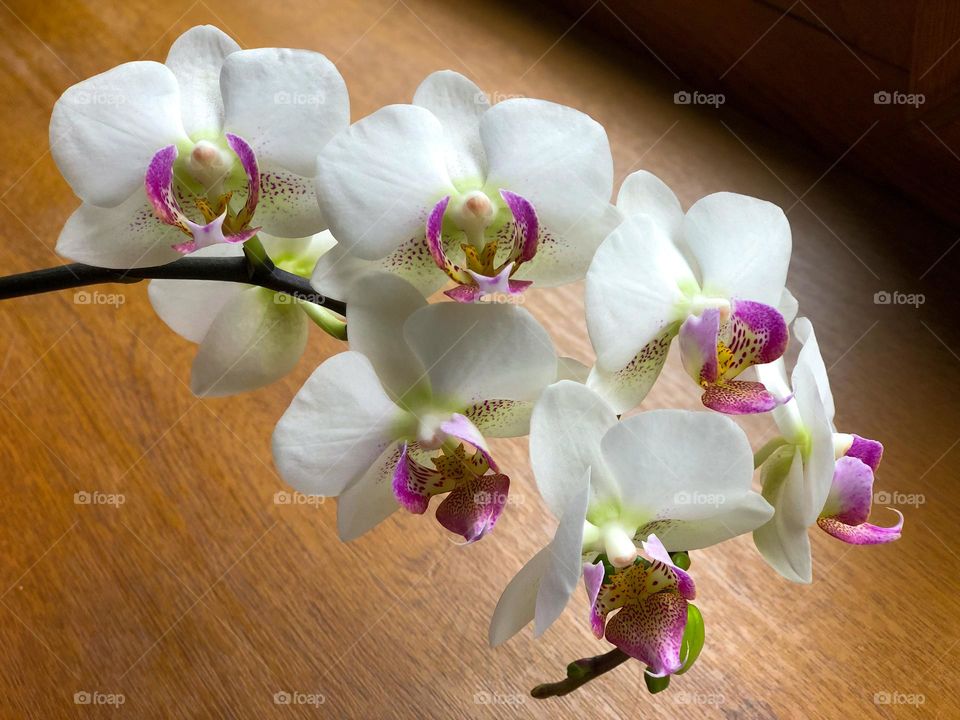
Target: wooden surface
[
  {"x": 201, "y": 597},
  {"x": 813, "y": 68}
]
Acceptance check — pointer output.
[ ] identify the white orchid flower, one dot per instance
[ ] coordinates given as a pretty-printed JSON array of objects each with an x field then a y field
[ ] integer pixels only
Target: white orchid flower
[
  {"x": 813, "y": 474},
  {"x": 207, "y": 148},
  {"x": 383, "y": 425},
  {"x": 248, "y": 336},
  {"x": 683, "y": 476},
  {"x": 714, "y": 276},
  {"x": 493, "y": 197}
]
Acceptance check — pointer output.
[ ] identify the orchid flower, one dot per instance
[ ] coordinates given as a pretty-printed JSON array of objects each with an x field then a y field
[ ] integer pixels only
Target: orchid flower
[
  {"x": 684, "y": 476},
  {"x": 450, "y": 188},
  {"x": 813, "y": 474},
  {"x": 387, "y": 424},
  {"x": 207, "y": 148},
  {"x": 714, "y": 276},
  {"x": 248, "y": 336},
  {"x": 651, "y": 597}
]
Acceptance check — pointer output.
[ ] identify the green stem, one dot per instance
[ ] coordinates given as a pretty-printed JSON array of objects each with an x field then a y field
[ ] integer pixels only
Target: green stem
[
  {"x": 767, "y": 450},
  {"x": 325, "y": 320},
  {"x": 580, "y": 672}
]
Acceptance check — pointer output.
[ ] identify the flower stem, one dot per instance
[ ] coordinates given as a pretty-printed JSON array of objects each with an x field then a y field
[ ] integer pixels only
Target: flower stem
[
  {"x": 580, "y": 672},
  {"x": 232, "y": 269}
]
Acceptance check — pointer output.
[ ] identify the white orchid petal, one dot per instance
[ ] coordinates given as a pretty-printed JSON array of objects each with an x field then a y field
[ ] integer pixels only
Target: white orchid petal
[
  {"x": 626, "y": 388},
  {"x": 338, "y": 271},
  {"x": 458, "y": 104},
  {"x": 810, "y": 357},
  {"x": 105, "y": 130},
  {"x": 501, "y": 418},
  {"x": 819, "y": 463},
  {"x": 127, "y": 236},
  {"x": 369, "y": 500},
  {"x": 566, "y": 559},
  {"x": 195, "y": 58},
  {"x": 556, "y": 157},
  {"x": 304, "y": 251},
  {"x": 377, "y": 309},
  {"x": 742, "y": 246},
  {"x": 518, "y": 603},
  {"x": 286, "y": 103},
  {"x": 337, "y": 426},
  {"x": 564, "y": 258},
  {"x": 288, "y": 204},
  {"x": 730, "y": 519},
  {"x": 569, "y": 368},
  {"x": 482, "y": 352},
  {"x": 378, "y": 180},
  {"x": 678, "y": 464},
  {"x": 788, "y": 306},
  {"x": 784, "y": 541},
  {"x": 189, "y": 307},
  {"x": 634, "y": 287},
  {"x": 566, "y": 428},
  {"x": 643, "y": 192},
  {"x": 254, "y": 341}
]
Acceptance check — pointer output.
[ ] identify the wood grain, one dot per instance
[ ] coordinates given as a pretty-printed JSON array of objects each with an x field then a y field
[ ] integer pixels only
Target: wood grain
[{"x": 200, "y": 597}]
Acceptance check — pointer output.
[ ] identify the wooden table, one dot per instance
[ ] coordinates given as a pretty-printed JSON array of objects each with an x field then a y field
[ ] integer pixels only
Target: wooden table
[{"x": 201, "y": 597}]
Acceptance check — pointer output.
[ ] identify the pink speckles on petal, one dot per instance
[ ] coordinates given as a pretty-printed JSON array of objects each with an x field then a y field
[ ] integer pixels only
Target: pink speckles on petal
[
  {"x": 464, "y": 293},
  {"x": 158, "y": 183},
  {"x": 756, "y": 334},
  {"x": 248, "y": 160},
  {"x": 474, "y": 506},
  {"x": 698, "y": 345},
  {"x": 526, "y": 223},
  {"x": 460, "y": 427},
  {"x": 739, "y": 397},
  {"x": 435, "y": 233},
  {"x": 414, "y": 484},
  {"x": 867, "y": 451},
  {"x": 409, "y": 494},
  {"x": 651, "y": 631},
  {"x": 864, "y": 533},
  {"x": 655, "y": 550}
]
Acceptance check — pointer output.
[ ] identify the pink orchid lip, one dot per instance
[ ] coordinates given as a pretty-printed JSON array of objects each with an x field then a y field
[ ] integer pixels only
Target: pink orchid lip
[
  {"x": 851, "y": 498},
  {"x": 650, "y": 601},
  {"x": 161, "y": 192},
  {"x": 715, "y": 351},
  {"x": 480, "y": 278}
]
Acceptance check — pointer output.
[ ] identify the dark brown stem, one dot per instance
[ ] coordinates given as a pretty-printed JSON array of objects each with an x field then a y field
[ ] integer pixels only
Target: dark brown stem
[
  {"x": 580, "y": 672},
  {"x": 234, "y": 269}
]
